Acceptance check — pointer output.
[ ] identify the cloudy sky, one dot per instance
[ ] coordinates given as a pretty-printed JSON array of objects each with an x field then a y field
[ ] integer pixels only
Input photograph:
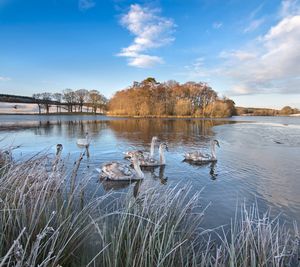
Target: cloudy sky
[{"x": 246, "y": 50}]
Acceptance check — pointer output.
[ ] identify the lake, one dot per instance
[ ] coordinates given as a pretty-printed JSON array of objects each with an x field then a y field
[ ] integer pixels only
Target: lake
[{"x": 258, "y": 158}]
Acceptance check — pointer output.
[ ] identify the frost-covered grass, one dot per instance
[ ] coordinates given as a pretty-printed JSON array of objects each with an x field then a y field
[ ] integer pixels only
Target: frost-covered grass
[{"x": 47, "y": 219}]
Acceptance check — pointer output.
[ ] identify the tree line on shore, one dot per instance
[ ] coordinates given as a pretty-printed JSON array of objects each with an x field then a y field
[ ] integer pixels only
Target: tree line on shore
[
  {"x": 285, "y": 111},
  {"x": 152, "y": 98},
  {"x": 73, "y": 100}
]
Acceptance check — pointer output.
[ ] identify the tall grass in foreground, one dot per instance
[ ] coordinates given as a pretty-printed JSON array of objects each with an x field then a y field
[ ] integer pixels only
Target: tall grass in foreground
[{"x": 46, "y": 221}]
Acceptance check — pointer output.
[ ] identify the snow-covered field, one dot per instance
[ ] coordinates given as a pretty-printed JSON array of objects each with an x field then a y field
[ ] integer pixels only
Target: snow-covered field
[
  {"x": 19, "y": 108},
  {"x": 16, "y": 108}
]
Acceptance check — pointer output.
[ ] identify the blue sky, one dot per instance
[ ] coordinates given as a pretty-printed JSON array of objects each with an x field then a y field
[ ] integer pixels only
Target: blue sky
[{"x": 246, "y": 50}]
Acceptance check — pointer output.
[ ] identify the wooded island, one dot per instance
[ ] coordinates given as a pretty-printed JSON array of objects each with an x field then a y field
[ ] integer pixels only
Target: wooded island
[{"x": 152, "y": 98}]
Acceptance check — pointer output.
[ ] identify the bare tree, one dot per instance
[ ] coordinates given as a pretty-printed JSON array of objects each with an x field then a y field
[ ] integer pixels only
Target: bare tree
[
  {"x": 97, "y": 100},
  {"x": 46, "y": 98},
  {"x": 69, "y": 98},
  {"x": 38, "y": 97},
  {"x": 81, "y": 97},
  {"x": 57, "y": 97}
]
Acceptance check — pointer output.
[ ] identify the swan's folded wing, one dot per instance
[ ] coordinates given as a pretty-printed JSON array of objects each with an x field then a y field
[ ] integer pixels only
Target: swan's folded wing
[
  {"x": 80, "y": 141},
  {"x": 148, "y": 162},
  {"x": 118, "y": 172},
  {"x": 125, "y": 170},
  {"x": 111, "y": 169},
  {"x": 196, "y": 156},
  {"x": 190, "y": 155},
  {"x": 132, "y": 153},
  {"x": 83, "y": 142}
]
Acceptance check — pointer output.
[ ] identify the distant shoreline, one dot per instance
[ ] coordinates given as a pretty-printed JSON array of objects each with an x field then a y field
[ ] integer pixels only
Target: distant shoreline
[
  {"x": 134, "y": 116},
  {"x": 116, "y": 116},
  {"x": 251, "y": 115}
]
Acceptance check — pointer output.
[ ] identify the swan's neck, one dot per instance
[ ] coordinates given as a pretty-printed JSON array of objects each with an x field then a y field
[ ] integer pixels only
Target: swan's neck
[
  {"x": 87, "y": 151},
  {"x": 58, "y": 153},
  {"x": 56, "y": 160},
  {"x": 162, "y": 159},
  {"x": 213, "y": 151},
  {"x": 137, "y": 168},
  {"x": 152, "y": 148}
]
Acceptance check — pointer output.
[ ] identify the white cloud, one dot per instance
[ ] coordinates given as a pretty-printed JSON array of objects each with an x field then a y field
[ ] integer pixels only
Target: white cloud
[
  {"x": 4, "y": 79},
  {"x": 256, "y": 11},
  {"x": 254, "y": 24},
  {"x": 267, "y": 64},
  {"x": 144, "y": 61},
  {"x": 197, "y": 69},
  {"x": 274, "y": 67},
  {"x": 217, "y": 25},
  {"x": 238, "y": 55},
  {"x": 86, "y": 4},
  {"x": 241, "y": 89},
  {"x": 289, "y": 7},
  {"x": 150, "y": 31}
]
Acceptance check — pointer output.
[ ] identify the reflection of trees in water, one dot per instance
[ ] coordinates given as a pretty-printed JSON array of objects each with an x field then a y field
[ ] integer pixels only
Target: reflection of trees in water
[
  {"x": 182, "y": 130},
  {"x": 44, "y": 128},
  {"x": 39, "y": 127},
  {"x": 59, "y": 128},
  {"x": 79, "y": 128},
  {"x": 71, "y": 129},
  {"x": 135, "y": 130}
]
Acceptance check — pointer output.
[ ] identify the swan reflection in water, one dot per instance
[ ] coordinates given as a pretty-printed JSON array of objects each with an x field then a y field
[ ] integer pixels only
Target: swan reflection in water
[
  {"x": 212, "y": 172},
  {"x": 212, "y": 167},
  {"x": 151, "y": 179},
  {"x": 84, "y": 143}
]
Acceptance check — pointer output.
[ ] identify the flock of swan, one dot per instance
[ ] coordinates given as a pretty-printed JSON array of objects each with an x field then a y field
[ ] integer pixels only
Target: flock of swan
[
  {"x": 119, "y": 171},
  {"x": 138, "y": 159}
]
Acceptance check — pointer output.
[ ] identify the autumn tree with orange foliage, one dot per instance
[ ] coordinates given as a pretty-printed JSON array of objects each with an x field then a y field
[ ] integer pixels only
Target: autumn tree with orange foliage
[{"x": 151, "y": 98}]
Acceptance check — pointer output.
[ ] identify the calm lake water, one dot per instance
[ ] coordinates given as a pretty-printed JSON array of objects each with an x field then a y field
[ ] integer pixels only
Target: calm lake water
[{"x": 258, "y": 161}]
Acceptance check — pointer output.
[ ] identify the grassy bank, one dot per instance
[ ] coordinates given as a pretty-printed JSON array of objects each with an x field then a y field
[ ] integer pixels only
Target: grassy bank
[{"x": 48, "y": 217}]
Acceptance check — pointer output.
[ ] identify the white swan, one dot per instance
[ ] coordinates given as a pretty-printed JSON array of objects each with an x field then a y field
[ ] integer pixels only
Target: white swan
[
  {"x": 84, "y": 141},
  {"x": 197, "y": 156},
  {"x": 59, "y": 148},
  {"x": 117, "y": 171},
  {"x": 130, "y": 154},
  {"x": 151, "y": 162}
]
